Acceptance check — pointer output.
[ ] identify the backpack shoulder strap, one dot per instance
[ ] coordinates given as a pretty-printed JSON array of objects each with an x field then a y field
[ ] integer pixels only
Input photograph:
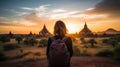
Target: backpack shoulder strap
[{"x": 52, "y": 38}]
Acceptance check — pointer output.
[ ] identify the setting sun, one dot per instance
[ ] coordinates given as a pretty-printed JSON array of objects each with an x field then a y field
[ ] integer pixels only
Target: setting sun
[{"x": 72, "y": 28}]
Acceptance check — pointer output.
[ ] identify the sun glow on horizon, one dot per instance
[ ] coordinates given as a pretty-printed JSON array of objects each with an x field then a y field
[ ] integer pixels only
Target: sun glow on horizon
[{"x": 72, "y": 28}]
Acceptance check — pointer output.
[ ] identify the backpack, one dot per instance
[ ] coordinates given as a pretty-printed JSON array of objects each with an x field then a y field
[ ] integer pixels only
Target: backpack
[{"x": 58, "y": 54}]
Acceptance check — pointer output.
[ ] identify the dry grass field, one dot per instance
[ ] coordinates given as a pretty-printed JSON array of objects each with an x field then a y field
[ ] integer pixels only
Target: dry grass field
[{"x": 34, "y": 56}]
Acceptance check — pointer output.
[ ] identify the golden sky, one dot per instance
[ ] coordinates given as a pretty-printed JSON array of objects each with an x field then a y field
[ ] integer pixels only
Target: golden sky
[{"x": 99, "y": 15}]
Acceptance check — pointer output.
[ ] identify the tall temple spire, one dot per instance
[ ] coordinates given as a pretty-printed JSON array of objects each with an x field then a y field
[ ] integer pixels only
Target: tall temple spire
[
  {"x": 44, "y": 31},
  {"x": 44, "y": 27},
  {"x": 85, "y": 31},
  {"x": 85, "y": 26}
]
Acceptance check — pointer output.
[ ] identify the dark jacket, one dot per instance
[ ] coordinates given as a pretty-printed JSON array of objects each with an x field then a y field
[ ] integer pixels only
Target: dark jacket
[{"x": 68, "y": 44}]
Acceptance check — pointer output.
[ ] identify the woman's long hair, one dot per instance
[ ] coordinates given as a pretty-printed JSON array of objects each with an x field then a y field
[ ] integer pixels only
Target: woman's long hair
[{"x": 60, "y": 28}]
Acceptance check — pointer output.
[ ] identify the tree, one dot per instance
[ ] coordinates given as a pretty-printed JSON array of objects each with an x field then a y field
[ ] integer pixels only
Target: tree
[
  {"x": 83, "y": 40},
  {"x": 18, "y": 39},
  {"x": 30, "y": 40},
  {"x": 26, "y": 41},
  {"x": 111, "y": 41},
  {"x": 4, "y": 38},
  {"x": 117, "y": 52},
  {"x": 92, "y": 42},
  {"x": 43, "y": 42},
  {"x": 33, "y": 41},
  {"x": 105, "y": 41}
]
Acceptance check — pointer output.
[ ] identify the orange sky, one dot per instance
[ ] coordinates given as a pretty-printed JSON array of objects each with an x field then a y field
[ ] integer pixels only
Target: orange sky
[
  {"x": 99, "y": 17},
  {"x": 73, "y": 27}
]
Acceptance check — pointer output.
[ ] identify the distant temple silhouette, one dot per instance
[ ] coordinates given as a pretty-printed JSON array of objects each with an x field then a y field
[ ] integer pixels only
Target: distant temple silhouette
[
  {"x": 44, "y": 32},
  {"x": 85, "y": 32}
]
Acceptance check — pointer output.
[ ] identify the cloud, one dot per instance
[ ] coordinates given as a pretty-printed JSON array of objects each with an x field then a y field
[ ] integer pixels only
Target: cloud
[
  {"x": 3, "y": 18},
  {"x": 26, "y": 18},
  {"x": 43, "y": 12},
  {"x": 89, "y": 9},
  {"x": 15, "y": 13},
  {"x": 40, "y": 11},
  {"x": 110, "y": 7},
  {"x": 58, "y": 10},
  {"x": 88, "y": 16},
  {"x": 32, "y": 17},
  {"x": 63, "y": 15},
  {"x": 104, "y": 11},
  {"x": 101, "y": 11},
  {"x": 22, "y": 13},
  {"x": 42, "y": 8},
  {"x": 26, "y": 8},
  {"x": 28, "y": 23},
  {"x": 12, "y": 23}
]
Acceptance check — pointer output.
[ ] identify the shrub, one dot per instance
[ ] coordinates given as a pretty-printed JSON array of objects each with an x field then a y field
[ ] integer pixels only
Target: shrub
[
  {"x": 8, "y": 47},
  {"x": 30, "y": 41},
  {"x": 76, "y": 51},
  {"x": 43, "y": 42},
  {"x": 117, "y": 38},
  {"x": 105, "y": 41},
  {"x": 113, "y": 42},
  {"x": 105, "y": 53},
  {"x": 117, "y": 52},
  {"x": 110, "y": 41},
  {"x": 92, "y": 42},
  {"x": 83, "y": 40},
  {"x": 18, "y": 39},
  {"x": 4, "y": 38},
  {"x": 26, "y": 41},
  {"x": 2, "y": 56}
]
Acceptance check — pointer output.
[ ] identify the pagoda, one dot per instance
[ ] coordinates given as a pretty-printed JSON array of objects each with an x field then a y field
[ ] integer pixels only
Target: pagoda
[
  {"x": 44, "y": 32},
  {"x": 85, "y": 32}
]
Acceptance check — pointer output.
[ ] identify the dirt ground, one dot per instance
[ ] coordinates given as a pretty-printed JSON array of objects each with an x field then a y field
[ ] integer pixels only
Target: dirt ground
[{"x": 75, "y": 62}]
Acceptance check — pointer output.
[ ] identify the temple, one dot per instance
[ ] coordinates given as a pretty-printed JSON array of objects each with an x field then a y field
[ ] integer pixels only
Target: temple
[
  {"x": 44, "y": 32},
  {"x": 85, "y": 32}
]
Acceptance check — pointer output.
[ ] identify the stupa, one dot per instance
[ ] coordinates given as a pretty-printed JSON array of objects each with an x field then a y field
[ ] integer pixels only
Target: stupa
[
  {"x": 85, "y": 32},
  {"x": 44, "y": 32}
]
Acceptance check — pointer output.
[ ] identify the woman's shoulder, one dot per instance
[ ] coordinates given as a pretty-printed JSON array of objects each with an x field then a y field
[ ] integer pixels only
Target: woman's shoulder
[
  {"x": 52, "y": 38},
  {"x": 67, "y": 38},
  {"x": 57, "y": 37}
]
